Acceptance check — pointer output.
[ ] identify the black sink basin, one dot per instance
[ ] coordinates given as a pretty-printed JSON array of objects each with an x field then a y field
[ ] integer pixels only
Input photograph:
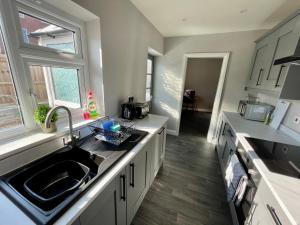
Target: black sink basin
[
  {"x": 45, "y": 187},
  {"x": 57, "y": 181}
]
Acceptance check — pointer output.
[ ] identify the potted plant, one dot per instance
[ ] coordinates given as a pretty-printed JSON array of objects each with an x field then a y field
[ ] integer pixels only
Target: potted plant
[{"x": 40, "y": 117}]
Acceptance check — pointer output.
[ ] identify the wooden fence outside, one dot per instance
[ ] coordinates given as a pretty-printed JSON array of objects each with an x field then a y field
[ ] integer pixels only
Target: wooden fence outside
[{"x": 9, "y": 110}]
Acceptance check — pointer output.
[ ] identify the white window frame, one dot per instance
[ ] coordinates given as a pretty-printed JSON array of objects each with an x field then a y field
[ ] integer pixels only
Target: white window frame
[
  {"x": 21, "y": 54},
  {"x": 46, "y": 15}
]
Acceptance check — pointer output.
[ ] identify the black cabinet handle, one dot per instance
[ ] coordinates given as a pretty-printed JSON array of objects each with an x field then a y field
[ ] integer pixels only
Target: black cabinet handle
[
  {"x": 259, "y": 75},
  {"x": 123, "y": 187},
  {"x": 162, "y": 130},
  {"x": 132, "y": 175},
  {"x": 279, "y": 75},
  {"x": 274, "y": 215},
  {"x": 230, "y": 133}
]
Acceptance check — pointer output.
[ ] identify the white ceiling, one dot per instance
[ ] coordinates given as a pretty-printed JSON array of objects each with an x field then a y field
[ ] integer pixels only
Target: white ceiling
[{"x": 192, "y": 17}]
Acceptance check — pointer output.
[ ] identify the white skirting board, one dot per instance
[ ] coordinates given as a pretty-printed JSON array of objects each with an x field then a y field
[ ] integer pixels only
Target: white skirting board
[{"x": 172, "y": 132}]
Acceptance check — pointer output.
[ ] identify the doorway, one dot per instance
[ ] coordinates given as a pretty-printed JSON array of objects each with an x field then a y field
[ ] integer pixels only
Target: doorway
[{"x": 204, "y": 75}]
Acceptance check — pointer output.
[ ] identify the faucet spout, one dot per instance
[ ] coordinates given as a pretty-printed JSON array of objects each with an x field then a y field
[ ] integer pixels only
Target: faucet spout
[{"x": 49, "y": 118}]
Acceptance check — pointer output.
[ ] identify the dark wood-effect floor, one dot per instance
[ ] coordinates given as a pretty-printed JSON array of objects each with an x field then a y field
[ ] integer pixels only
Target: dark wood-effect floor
[{"x": 188, "y": 189}]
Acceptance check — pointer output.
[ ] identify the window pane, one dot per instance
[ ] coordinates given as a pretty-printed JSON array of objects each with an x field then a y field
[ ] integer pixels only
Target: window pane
[
  {"x": 39, "y": 32},
  {"x": 10, "y": 115},
  {"x": 148, "y": 82},
  {"x": 149, "y": 66},
  {"x": 148, "y": 95},
  {"x": 66, "y": 84},
  {"x": 56, "y": 86}
]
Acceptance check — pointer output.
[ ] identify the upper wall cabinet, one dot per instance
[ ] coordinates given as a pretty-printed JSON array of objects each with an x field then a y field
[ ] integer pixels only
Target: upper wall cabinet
[
  {"x": 281, "y": 42},
  {"x": 261, "y": 61}
]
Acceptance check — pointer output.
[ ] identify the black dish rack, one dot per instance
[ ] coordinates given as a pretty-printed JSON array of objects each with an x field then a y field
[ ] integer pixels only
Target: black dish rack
[{"x": 113, "y": 137}]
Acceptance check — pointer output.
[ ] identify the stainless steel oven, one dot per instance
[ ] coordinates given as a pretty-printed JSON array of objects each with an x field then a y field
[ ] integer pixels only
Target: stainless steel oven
[{"x": 254, "y": 176}]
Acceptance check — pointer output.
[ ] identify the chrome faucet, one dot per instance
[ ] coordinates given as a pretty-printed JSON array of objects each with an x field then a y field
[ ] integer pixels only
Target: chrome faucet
[{"x": 73, "y": 138}]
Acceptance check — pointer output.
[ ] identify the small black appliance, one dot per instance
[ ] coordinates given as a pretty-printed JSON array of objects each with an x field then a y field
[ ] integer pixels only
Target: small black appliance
[{"x": 128, "y": 109}]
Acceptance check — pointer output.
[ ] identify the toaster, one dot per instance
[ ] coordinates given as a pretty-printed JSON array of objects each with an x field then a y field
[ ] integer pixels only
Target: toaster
[
  {"x": 141, "y": 110},
  {"x": 254, "y": 110}
]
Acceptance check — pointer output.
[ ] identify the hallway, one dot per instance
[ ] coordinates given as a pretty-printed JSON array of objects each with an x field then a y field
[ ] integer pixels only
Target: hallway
[{"x": 188, "y": 189}]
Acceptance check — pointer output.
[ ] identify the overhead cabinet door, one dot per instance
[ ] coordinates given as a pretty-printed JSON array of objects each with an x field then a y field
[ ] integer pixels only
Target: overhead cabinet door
[
  {"x": 286, "y": 42},
  {"x": 261, "y": 62}
]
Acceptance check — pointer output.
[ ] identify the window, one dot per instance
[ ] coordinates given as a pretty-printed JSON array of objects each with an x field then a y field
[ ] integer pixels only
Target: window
[
  {"x": 150, "y": 66},
  {"x": 56, "y": 86},
  {"x": 41, "y": 33},
  {"x": 42, "y": 63},
  {"x": 9, "y": 106}
]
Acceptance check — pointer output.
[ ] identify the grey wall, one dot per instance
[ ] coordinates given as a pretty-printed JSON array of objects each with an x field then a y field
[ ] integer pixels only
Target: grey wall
[
  {"x": 125, "y": 36},
  {"x": 202, "y": 75},
  {"x": 294, "y": 109},
  {"x": 169, "y": 76}
]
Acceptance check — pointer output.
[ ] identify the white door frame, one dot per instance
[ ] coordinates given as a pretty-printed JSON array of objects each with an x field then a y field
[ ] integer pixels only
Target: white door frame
[{"x": 219, "y": 92}]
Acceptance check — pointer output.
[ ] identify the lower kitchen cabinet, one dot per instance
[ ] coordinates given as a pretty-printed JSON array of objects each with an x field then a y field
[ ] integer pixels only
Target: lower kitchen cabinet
[
  {"x": 109, "y": 207},
  {"x": 158, "y": 152},
  {"x": 136, "y": 183},
  {"x": 225, "y": 145},
  {"x": 119, "y": 202},
  {"x": 265, "y": 209},
  {"x": 121, "y": 198}
]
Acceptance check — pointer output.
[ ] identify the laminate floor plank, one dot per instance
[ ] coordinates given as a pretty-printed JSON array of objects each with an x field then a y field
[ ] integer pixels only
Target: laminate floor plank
[{"x": 188, "y": 189}]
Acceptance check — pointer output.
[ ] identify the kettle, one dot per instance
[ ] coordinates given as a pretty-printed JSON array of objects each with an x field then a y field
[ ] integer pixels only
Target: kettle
[{"x": 128, "y": 109}]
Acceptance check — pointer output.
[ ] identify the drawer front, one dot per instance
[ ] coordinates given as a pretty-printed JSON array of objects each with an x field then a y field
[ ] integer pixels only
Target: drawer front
[{"x": 272, "y": 206}]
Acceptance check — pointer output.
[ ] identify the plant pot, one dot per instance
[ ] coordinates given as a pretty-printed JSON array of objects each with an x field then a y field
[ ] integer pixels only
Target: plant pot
[{"x": 49, "y": 130}]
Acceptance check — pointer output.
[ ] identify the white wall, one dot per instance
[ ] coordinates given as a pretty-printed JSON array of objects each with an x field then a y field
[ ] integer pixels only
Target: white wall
[
  {"x": 169, "y": 74},
  {"x": 202, "y": 75},
  {"x": 294, "y": 109},
  {"x": 125, "y": 36}
]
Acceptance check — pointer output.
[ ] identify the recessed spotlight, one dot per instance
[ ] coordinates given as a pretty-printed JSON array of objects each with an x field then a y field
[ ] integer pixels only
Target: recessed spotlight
[{"x": 243, "y": 11}]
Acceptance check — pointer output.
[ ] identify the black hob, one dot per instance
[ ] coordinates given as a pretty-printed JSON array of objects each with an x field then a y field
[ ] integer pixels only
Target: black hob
[{"x": 279, "y": 158}]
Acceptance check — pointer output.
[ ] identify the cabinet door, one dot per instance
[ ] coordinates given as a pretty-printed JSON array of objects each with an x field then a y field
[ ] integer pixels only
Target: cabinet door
[
  {"x": 261, "y": 61},
  {"x": 103, "y": 209},
  {"x": 286, "y": 42},
  {"x": 229, "y": 148},
  {"x": 121, "y": 198},
  {"x": 136, "y": 183},
  {"x": 265, "y": 208},
  {"x": 221, "y": 139},
  {"x": 162, "y": 144}
]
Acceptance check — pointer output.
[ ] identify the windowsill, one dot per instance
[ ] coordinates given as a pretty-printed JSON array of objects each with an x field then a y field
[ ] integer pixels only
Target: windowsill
[{"x": 34, "y": 138}]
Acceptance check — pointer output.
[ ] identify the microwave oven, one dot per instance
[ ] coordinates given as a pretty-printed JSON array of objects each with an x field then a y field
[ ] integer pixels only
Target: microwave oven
[{"x": 254, "y": 110}]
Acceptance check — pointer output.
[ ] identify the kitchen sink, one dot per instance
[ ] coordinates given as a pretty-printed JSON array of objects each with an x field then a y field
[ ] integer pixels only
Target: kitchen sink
[
  {"x": 45, "y": 188},
  {"x": 57, "y": 180}
]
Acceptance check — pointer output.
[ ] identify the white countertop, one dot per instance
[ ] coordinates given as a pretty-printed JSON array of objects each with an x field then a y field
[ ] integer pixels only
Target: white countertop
[
  {"x": 285, "y": 189},
  {"x": 12, "y": 215}
]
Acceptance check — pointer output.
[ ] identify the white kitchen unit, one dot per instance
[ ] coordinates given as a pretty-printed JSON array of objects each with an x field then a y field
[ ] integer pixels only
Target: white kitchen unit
[
  {"x": 276, "y": 197},
  {"x": 116, "y": 196},
  {"x": 280, "y": 42}
]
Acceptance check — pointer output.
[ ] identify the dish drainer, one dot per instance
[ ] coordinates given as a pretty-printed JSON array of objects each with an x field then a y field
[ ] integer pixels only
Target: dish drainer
[{"x": 113, "y": 137}]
